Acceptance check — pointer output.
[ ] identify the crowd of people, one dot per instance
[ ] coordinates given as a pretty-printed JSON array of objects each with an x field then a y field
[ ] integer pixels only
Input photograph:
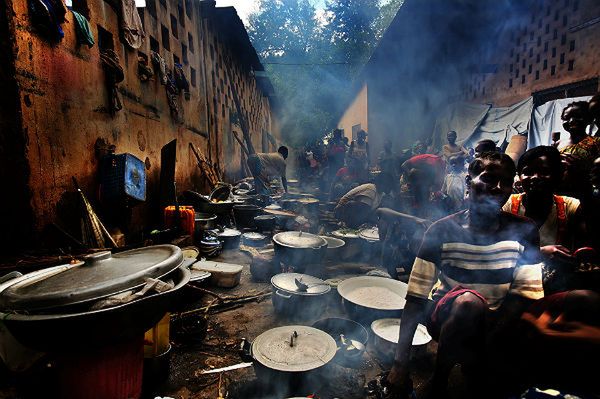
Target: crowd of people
[{"x": 500, "y": 254}]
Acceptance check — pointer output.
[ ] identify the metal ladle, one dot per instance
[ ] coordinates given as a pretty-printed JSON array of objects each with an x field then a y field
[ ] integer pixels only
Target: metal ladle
[
  {"x": 304, "y": 287},
  {"x": 352, "y": 347}
]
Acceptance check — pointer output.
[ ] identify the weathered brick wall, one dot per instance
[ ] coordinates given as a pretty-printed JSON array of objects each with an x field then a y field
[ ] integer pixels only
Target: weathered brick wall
[
  {"x": 63, "y": 101},
  {"x": 555, "y": 43}
]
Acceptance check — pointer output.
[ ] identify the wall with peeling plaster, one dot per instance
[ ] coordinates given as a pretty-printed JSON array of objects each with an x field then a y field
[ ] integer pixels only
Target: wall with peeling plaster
[{"x": 62, "y": 101}]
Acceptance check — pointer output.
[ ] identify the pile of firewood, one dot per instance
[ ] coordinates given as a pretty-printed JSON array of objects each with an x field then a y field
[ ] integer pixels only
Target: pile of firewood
[{"x": 212, "y": 173}]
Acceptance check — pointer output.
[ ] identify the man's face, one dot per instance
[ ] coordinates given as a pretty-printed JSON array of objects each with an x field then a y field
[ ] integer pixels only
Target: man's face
[
  {"x": 451, "y": 136},
  {"x": 490, "y": 186},
  {"x": 536, "y": 177},
  {"x": 574, "y": 120},
  {"x": 418, "y": 183}
]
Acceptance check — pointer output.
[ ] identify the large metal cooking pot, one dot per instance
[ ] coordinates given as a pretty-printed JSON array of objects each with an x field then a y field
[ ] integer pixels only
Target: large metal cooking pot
[
  {"x": 350, "y": 330},
  {"x": 68, "y": 331},
  {"x": 335, "y": 248},
  {"x": 244, "y": 215},
  {"x": 298, "y": 296},
  {"x": 230, "y": 238},
  {"x": 297, "y": 249},
  {"x": 291, "y": 359},
  {"x": 204, "y": 221},
  {"x": 353, "y": 250},
  {"x": 367, "y": 298},
  {"x": 102, "y": 274},
  {"x": 385, "y": 339}
]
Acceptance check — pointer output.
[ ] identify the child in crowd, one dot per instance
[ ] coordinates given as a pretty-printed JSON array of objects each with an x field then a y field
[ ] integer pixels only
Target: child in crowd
[{"x": 559, "y": 218}]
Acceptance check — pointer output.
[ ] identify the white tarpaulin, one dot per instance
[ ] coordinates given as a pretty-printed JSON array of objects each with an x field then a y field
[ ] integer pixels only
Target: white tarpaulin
[
  {"x": 546, "y": 119},
  {"x": 501, "y": 123},
  {"x": 463, "y": 118},
  {"x": 474, "y": 122}
]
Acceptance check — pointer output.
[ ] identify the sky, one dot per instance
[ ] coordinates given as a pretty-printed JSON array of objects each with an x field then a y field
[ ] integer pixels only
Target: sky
[{"x": 245, "y": 7}]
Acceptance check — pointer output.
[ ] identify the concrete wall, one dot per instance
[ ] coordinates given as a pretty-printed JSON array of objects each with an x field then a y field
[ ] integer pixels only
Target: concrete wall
[
  {"x": 63, "y": 102},
  {"x": 356, "y": 114},
  {"x": 535, "y": 51}
]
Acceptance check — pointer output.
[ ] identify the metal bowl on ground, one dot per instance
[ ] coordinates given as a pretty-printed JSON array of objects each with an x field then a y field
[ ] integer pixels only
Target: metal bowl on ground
[
  {"x": 385, "y": 333},
  {"x": 297, "y": 249},
  {"x": 367, "y": 298},
  {"x": 291, "y": 359},
  {"x": 299, "y": 296}
]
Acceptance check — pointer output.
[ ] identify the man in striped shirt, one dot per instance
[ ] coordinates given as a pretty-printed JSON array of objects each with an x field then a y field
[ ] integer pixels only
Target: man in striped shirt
[{"x": 488, "y": 268}]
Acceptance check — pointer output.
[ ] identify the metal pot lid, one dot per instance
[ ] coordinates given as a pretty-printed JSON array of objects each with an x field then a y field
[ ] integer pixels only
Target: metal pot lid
[
  {"x": 299, "y": 239},
  {"x": 370, "y": 234},
  {"x": 102, "y": 274},
  {"x": 294, "y": 348},
  {"x": 265, "y": 217},
  {"x": 305, "y": 284},
  {"x": 253, "y": 236},
  {"x": 204, "y": 216},
  {"x": 389, "y": 330},
  {"x": 345, "y": 233},
  {"x": 333, "y": 243},
  {"x": 230, "y": 233}
]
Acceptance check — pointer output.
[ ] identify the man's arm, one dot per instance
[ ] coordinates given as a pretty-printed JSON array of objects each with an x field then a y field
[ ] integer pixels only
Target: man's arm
[
  {"x": 398, "y": 378},
  {"x": 284, "y": 183},
  {"x": 422, "y": 279}
]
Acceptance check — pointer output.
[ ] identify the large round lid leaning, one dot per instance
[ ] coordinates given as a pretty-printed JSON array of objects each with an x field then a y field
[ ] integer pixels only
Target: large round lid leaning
[
  {"x": 299, "y": 239},
  {"x": 294, "y": 348},
  {"x": 102, "y": 274}
]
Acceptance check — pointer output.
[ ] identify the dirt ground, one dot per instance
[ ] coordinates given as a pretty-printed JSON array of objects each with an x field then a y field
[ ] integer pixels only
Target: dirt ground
[{"x": 225, "y": 331}]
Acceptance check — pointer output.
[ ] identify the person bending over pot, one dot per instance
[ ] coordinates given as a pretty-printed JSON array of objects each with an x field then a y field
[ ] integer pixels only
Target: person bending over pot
[
  {"x": 265, "y": 166},
  {"x": 358, "y": 205}
]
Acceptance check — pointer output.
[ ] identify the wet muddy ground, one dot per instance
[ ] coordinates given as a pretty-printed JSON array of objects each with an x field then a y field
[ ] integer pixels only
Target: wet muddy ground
[{"x": 219, "y": 348}]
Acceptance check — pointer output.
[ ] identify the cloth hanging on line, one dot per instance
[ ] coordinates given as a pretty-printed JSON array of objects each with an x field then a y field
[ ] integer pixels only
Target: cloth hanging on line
[
  {"x": 145, "y": 72},
  {"x": 160, "y": 65},
  {"x": 172, "y": 92},
  {"x": 82, "y": 30},
  {"x": 181, "y": 81},
  {"x": 131, "y": 24},
  {"x": 47, "y": 16},
  {"x": 114, "y": 75}
]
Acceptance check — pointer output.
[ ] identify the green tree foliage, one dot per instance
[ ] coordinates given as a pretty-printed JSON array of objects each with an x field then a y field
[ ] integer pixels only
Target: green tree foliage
[{"x": 312, "y": 57}]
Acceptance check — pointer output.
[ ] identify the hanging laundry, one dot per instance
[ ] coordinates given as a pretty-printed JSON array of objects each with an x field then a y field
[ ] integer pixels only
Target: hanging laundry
[
  {"x": 131, "y": 24},
  {"x": 181, "y": 81},
  {"x": 46, "y": 16},
  {"x": 82, "y": 30},
  {"x": 160, "y": 65},
  {"x": 172, "y": 92},
  {"x": 145, "y": 72},
  {"x": 114, "y": 75}
]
